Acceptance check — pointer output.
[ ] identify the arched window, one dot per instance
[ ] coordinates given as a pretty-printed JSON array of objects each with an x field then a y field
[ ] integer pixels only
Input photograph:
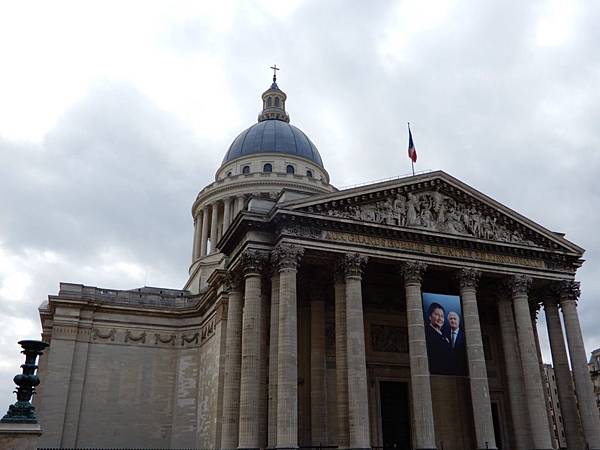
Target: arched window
[
  {"x": 269, "y": 102},
  {"x": 276, "y": 102},
  {"x": 267, "y": 168},
  {"x": 246, "y": 170},
  {"x": 309, "y": 173},
  {"x": 290, "y": 169}
]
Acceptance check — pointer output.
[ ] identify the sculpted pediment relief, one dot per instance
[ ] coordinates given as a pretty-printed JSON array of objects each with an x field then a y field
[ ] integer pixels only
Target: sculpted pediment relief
[{"x": 434, "y": 211}]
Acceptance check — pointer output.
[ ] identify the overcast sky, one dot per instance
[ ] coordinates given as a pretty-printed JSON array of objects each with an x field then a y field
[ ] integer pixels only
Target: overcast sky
[{"x": 113, "y": 115}]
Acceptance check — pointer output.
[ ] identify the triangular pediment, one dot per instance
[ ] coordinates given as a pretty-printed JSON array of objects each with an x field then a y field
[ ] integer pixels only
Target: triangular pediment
[{"x": 435, "y": 203}]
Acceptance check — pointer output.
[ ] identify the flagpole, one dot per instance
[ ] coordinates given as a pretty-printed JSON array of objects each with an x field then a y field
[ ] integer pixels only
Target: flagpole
[{"x": 412, "y": 163}]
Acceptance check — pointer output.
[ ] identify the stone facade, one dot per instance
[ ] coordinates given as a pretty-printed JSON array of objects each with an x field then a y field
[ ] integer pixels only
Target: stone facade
[{"x": 302, "y": 324}]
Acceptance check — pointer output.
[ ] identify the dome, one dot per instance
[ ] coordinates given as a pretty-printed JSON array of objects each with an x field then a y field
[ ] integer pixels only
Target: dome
[{"x": 273, "y": 136}]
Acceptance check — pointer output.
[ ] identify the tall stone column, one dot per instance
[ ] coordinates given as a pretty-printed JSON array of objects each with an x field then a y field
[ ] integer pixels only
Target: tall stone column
[
  {"x": 226, "y": 213},
  {"x": 514, "y": 373},
  {"x": 253, "y": 262},
  {"x": 424, "y": 432},
  {"x": 358, "y": 400},
  {"x": 214, "y": 227},
  {"x": 583, "y": 384},
  {"x": 318, "y": 385},
  {"x": 204, "y": 235},
  {"x": 341, "y": 357},
  {"x": 233, "y": 364},
  {"x": 287, "y": 257},
  {"x": 480, "y": 392},
  {"x": 195, "y": 245},
  {"x": 273, "y": 353},
  {"x": 534, "y": 388},
  {"x": 564, "y": 382}
]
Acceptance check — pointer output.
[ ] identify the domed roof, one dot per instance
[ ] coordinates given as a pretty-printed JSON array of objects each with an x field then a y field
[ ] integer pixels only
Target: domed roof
[{"x": 273, "y": 136}]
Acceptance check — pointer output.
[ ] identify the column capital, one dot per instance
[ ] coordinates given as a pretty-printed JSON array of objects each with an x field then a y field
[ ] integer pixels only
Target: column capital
[
  {"x": 353, "y": 264},
  {"x": 253, "y": 261},
  {"x": 287, "y": 256},
  {"x": 232, "y": 281},
  {"x": 468, "y": 278},
  {"x": 569, "y": 290},
  {"x": 413, "y": 271},
  {"x": 519, "y": 284}
]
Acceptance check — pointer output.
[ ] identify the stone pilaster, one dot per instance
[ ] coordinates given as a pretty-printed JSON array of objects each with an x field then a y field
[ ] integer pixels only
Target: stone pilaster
[
  {"x": 480, "y": 392},
  {"x": 253, "y": 262},
  {"x": 318, "y": 385},
  {"x": 196, "y": 242},
  {"x": 514, "y": 373},
  {"x": 233, "y": 364},
  {"x": 534, "y": 388},
  {"x": 588, "y": 409},
  {"x": 564, "y": 382},
  {"x": 273, "y": 353},
  {"x": 341, "y": 358},
  {"x": 204, "y": 234},
  {"x": 287, "y": 258},
  {"x": 424, "y": 432}
]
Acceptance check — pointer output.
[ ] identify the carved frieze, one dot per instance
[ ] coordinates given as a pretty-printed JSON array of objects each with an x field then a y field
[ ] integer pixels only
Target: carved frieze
[
  {"x": 385, "y": 338},
  {"x": 435, "y": 211},
  {"x": 169, "y": 339},
  {"x": 130, "y": 336}
]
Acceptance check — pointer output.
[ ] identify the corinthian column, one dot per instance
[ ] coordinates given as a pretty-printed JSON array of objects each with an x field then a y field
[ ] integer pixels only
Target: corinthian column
[
  {"x": 341, "y": 357},
  {"x": 318, "y": 385},
  {"x": 534, "y": 388},
  {"x": 204, "y": 234},
  {"x": 214, "y": 227},
  {"x": 233, "y": 362},
  {"x": 358, "y": 402},
  {"x": 514, "y": 373},
  {"x": 480, "y": 392},
  {"x": 253, "y": 262},
  {"x": 583, "y": 384},
  {"x": 564, "y": 382},
  {"x": 419, "y": 364},
  {"x": 273, "y": 353},
  {"x": 287, "y": 257}
]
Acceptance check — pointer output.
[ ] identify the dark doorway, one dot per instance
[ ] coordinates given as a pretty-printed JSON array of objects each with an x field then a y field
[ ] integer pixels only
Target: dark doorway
[{"x": 395, "y": 415}]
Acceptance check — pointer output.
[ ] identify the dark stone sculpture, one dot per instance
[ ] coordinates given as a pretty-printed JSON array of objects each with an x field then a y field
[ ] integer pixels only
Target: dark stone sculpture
[{"x": 23, "y": 411}]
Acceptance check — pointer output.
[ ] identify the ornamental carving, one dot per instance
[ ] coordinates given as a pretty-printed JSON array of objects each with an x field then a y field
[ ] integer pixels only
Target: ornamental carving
[
  {"x": 468, "y": 278},
  {"x": 413, "y": 271},
  {"x": 97, "y": 334},
  {"x": 193, "y": 339},
  {"x": 519, "y": 284},
  {"x": 389, "y": 339},
  {"x": 170, "y": 339},
  {"x": 287, "y": 256},
  {"x": 253, "y": 261},
  {"x": 232, "y": 281},
  {"x": 130, "y": 337},
  {"x": 432, "y": 210},
  {"x": 569, "y": 290},
  {"x": 353, "y": 264},
  {"x": 302, "y": 231}
]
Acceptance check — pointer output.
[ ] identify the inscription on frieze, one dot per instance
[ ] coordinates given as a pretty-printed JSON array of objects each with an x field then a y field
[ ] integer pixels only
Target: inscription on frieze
[
  {"x": 438, "y": 250},
  {"x": 385, "y": 338}
]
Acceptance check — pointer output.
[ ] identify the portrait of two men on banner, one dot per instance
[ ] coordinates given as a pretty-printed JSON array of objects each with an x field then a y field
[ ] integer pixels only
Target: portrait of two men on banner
[{"x": 445, "y": 335}]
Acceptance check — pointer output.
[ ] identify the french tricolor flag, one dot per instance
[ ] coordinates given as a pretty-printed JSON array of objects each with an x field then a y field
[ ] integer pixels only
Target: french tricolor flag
[{"x": 412, "y": 151}]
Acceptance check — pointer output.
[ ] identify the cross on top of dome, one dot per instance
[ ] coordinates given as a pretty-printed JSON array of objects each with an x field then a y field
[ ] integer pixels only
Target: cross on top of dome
[{"x": 274, "y": 101}]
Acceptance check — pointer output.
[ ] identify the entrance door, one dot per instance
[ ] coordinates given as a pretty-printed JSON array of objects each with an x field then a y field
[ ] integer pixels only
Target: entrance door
[{"x": 395, "y": 415}]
